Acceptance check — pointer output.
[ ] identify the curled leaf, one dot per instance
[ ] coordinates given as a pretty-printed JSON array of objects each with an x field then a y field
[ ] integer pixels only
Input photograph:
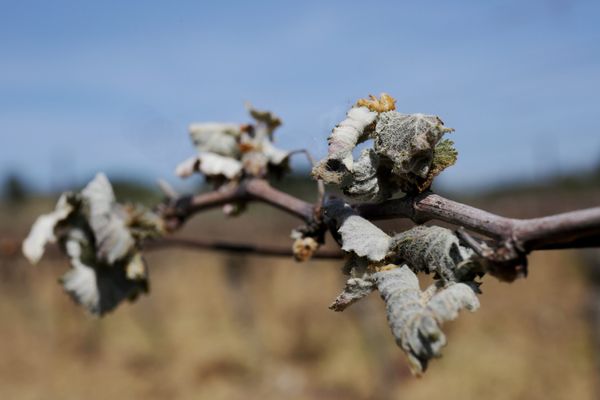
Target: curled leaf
[
  {"x": 228, "y": 152},
  {"x": 101, "y": 238},
  {"x": 188, "y": 167},
  {"x": 342, "y": 141},
  {"x": 369, "y": 181},
  {"x": 210, "y": 164},
  {"x": 265, "y": 118},
  {"x": 415, "y": 317},
  {"x": 218, "y": 138},
  {"x": 107, "y": 220},
  {"x": 99, "y": 287},
  {"x": 80, "y": 281},
  {"x": 215, "y": 165},
  {"x": 433, "y": 249},
  {"x": 451, "y": 299},
  {"x": 408, "y": 141},
  {"x": 355, "y": 289},
  {"x": 274, "y": 155},
  {"x": 42, "y": 231},
  {"x": 406, "y": 155},
  {"x": 364, "y": 239}
]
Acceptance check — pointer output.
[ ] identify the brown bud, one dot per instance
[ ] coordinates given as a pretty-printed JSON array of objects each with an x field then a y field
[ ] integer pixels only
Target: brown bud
[{"x": 304, "y": 248}]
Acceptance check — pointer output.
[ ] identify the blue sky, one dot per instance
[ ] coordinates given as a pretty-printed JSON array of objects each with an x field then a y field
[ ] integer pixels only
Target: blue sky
[{"x": 112, "y": 85}]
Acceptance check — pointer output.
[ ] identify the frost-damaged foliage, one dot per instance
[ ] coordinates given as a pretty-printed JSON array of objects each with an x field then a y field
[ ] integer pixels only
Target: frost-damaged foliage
[
  {"x": 407, "y": 153},
  {"x": 229, "y": 152},
  {"x": 433, "y": 249},
  {"x": 415, "y": 317},
  {"x": 102, "y": 239}
]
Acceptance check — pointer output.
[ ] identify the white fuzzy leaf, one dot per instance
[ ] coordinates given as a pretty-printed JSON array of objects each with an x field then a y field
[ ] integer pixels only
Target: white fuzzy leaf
[
  {"x": 211, "y": 164},
  {"x": 80, "y": 281},
  {"x": 214, "y": 137},
  {"x": 447, "y": 302},
  {"x": 366, "y": 184},
  {"x": 95, "y": 285},
  {"x": 42, "y": 231},
  {"x": 405, "y": 155},
  {"x": 355, "y": 289},
  {"x": 363, "y": 238},
  {"x": 342, "y": 141},
  {"x": 432, "y": 249},
  {"x": 113, "y": 239},
  {"x": 275, "y": 155},
  {"x": 188, "y": 167},
  {"x": 415, "y": 317},
  {"x": 408, "y": 140},
  {"x": 99, "y": 194},
  {"x": 346, "y": 135}
]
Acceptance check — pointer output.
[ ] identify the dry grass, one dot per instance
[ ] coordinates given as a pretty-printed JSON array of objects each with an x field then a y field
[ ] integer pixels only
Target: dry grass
[{"x": 233, "y": 327}]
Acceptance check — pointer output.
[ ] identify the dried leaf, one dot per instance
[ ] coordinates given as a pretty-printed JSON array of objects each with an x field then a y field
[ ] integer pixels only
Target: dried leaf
[
  {"x": 355, "y": 289},
  {"x": 100, "y": 237},
  {"x": 451, "y": 299},
  {"x": 383, "y": 104},
  {"x": 255, "y": 163},
  {"x": 363, "y": 238},
  {"x": 144, "y": 223},
  {"x": 403, "y": 157},
  {"x": 97, "y": 286},
  {"x": 367, "y": 183},
  {"x": 342, "y": 141},
  {"x": 188, "y": 167},
  {"x": 408, "y": 141},
  {"x": 210, "y": 164},
  {"x": 433, "y": 249},
  {"x": 415, "y": 317},
  {"x": 275, "y": 156},
  {"x": 266, "y": 118},
  {"x": 218, "y": 138},
  {"x": 42, "y": 231},
  {"x": 229, "y": 151},
  {"x": 107, "y": 220}
]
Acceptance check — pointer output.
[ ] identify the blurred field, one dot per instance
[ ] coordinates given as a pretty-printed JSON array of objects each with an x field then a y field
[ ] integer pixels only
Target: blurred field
[{"x": 233, "y": 327}]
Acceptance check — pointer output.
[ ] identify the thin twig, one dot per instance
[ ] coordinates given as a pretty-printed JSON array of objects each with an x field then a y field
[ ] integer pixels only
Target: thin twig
[
  {"x": 257, "y": 249},
  {"x": 258, "y": 189},
  {"x": 176, "y": 212},
  {"x": 313, "y": 163}
]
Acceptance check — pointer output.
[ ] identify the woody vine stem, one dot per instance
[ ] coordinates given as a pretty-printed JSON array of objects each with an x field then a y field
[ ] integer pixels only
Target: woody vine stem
[
  {"x": 104, "y": 239},
  {"x": 574, "y": 229}
]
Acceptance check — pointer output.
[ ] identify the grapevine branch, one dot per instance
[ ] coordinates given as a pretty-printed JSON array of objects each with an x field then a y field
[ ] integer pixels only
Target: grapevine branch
[{"x": 567, "y": 230}]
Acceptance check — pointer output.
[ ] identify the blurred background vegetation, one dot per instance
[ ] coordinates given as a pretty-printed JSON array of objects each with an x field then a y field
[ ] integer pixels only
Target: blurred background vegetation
[{"x": 225, "y": 326}]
